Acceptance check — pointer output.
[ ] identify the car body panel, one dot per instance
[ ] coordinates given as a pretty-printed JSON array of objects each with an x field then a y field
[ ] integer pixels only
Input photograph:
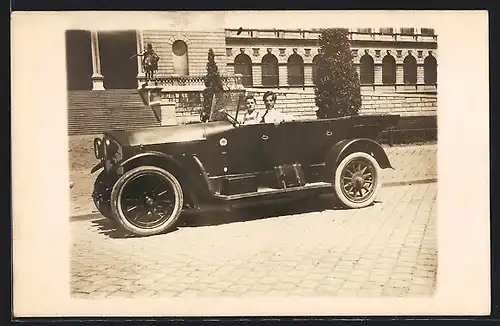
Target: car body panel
[
  {"x": 208, "y": 153},
  {"x": 206, "y": 157},
  {"x": 168, "y": 134}
]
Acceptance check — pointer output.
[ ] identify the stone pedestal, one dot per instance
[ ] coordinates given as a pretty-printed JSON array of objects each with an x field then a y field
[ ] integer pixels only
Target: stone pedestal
[
  {"x": 97, "y": 82},
  {"x": 150, "y": 93},
  {"x": 141, "y": 80},
  {"x": 164, "y": 111}
]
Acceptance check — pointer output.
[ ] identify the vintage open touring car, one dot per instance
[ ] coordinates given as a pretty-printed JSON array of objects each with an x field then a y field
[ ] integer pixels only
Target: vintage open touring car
[{"x": 151, "y": 175}]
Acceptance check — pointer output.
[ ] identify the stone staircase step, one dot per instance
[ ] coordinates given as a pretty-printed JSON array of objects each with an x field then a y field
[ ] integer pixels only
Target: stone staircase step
[{"x": 93, "y": 112}]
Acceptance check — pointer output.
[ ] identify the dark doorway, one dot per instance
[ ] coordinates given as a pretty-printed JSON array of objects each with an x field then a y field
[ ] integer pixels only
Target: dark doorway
[
  {"x": 430, "y": 70},
  {"x": 388, "y": 70},
  {"x": 410, "y": 70},
  {"x": 118, "y": 69},
  {"x": 78, "y": 60},
  {"x": 367, "y": 70}
]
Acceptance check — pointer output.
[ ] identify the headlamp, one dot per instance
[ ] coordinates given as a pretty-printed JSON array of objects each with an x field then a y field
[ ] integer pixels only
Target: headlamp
[{"x": 98, "y": 150}]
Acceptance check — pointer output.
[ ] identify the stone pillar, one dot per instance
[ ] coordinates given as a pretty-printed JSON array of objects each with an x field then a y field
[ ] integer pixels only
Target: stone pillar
[
  {"x": 97, "y": 78},
  {"x": 165, "y": 112},
  {"x": 308, "y": 77},
  {"x": 283, "y": 75},
  {"x": 257, "y": 75},
  {"x": 163, "y": 104},
  {"x": 420, "y": 74},
  {"x": 399, "y": 74},
  {"x": 140, "y": 48},
  {"x": 378, "y": 74}
]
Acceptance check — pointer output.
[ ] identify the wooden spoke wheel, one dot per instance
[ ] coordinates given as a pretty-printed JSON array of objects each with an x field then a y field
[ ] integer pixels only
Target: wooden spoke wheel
[
  {"x": 357, "y": 180},
  {"x": 147, "y": 200}
]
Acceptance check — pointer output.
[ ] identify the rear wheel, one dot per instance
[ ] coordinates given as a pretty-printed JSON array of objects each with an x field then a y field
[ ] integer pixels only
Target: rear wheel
[
  {"x": 357, "y": 180},
  {"x": 147, "y": 200}
]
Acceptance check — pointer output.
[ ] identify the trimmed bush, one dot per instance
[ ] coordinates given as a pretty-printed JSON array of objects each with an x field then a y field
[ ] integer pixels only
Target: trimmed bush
[
  {"x": 337, "y": 86},
  {"x": 213, "y": 85}
]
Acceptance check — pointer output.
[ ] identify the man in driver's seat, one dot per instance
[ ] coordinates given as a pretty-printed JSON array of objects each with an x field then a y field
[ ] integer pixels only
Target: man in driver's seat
[{"x": 251, "y": 115}]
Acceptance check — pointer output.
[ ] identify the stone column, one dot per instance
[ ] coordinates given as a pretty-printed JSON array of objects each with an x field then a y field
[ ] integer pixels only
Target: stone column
[
  {"x": 308, "y": 77},
  {"x": 140, "y": 48},
  {"x": 378, "y": 74},
  {"x": 420, "y": 74},
  {"x": 257, "y": 75},
  {"x": 97, "y": 78},
  {"x": 399, "y": 74},
  {"x": 283, "y": 75}
]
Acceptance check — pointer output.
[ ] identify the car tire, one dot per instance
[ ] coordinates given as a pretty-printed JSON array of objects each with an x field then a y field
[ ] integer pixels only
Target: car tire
[
  {"x": 101, "y": 195},
  {"x": 358, "y": 173},
  {"x": 131, "y": 200}
]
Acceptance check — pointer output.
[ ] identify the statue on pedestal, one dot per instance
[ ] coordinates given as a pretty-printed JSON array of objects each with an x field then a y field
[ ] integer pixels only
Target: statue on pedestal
[{"x": 149, "y": 62}]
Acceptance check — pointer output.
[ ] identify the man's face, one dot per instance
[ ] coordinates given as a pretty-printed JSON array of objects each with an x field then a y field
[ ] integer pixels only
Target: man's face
[
  {"x": 250, "y": 103},
  {"x": 269, "y": 102}
]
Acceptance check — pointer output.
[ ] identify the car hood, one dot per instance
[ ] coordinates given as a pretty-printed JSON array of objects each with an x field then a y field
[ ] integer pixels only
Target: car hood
[{"x": 169, "y": 134}]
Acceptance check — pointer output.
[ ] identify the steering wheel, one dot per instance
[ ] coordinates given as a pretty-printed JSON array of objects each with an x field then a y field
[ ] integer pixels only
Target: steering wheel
[{"x": 230, "y": 118}]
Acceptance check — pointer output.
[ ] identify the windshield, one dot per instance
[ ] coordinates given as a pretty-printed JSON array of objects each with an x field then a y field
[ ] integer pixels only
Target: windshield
[{"x": 231, "y": 101}]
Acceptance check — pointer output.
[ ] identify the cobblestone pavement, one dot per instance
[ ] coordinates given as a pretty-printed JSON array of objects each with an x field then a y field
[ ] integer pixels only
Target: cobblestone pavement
[
  {"x": 388, "y": 249},
  {"x": 411, "y": 163}
]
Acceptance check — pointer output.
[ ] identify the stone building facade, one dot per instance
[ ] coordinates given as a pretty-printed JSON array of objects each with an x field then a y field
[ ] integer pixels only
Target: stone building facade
[
  {"x": 99, "y": 60},
  {"x": 388, "y": 60},
  {"x": 397, "y": 68}
]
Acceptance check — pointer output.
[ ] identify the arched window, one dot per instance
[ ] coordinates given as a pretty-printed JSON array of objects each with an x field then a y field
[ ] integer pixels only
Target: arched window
[
  {"x": 315, "y": 64},
  {"x": 430, "y": 70},
  {"x": 180, "y": 58},
  {"x": 410, "y": 70},
  {"x": 388, "y": 70},
  {"x": 270, "y": 74},
  {"x": 366, "y": 70},
  {"x": 295, "y": 69},
  {"x": 243, "y": 66}
]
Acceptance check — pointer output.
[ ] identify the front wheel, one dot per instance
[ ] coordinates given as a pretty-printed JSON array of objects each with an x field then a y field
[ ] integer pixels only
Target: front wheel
[
  {"x": 102, "y": 193},
  {"x": 357, "y": 180},
  {"x": 147, "y": 200}
]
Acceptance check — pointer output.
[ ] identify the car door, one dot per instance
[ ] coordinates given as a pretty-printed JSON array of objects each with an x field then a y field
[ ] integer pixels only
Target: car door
[
  {"x": 244, "y": 149},
  {"x": 268, "y": 153},
  {"x": 306, "y": 142}
]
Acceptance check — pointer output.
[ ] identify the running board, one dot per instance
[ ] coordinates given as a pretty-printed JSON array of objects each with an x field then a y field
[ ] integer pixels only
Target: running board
[{"x": 270, "y": 191}]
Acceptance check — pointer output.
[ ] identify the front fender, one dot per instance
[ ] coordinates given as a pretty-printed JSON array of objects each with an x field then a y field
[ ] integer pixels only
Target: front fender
[
  {"x": 97, "y": 167},
  {"x": 186, "y": 169},
  {"x": 145, "y": 155},
  {"x": 347, "y": 146}
]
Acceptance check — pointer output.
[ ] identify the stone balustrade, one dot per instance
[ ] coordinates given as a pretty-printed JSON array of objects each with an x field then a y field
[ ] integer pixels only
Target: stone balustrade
[
  {"x": 365, "y": 34},
  {"x": 196, "y": 83}
]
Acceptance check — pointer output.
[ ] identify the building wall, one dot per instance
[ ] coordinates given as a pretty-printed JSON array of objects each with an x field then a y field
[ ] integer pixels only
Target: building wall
[
  {"x": 198, "y": 44},
  {"x": 302, "y": 106},
  {"x": 91, "y": 112},
  {"x": 228, "y": 44},
  {"x": 283, "y": 43}
]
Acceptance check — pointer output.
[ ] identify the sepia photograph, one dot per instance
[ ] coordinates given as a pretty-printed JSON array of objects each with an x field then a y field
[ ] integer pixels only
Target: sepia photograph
[{"x": 244, "y": 160}]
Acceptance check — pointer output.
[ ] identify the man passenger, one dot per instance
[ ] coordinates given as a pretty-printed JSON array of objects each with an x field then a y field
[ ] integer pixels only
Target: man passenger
[{"x": 272, "y": 115}]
